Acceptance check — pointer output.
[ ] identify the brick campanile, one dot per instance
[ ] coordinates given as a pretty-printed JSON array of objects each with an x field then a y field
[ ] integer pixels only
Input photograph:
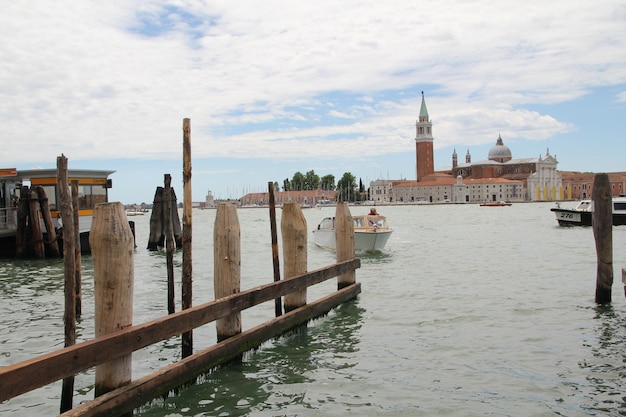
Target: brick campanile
[{"x": 424, "y": 159}]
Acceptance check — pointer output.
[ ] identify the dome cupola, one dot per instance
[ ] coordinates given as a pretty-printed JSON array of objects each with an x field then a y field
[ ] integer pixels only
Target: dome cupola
[{"x": 499, "y": 153}]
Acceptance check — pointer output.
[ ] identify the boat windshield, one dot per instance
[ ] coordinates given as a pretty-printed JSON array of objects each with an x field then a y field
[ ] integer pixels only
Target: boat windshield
[
  {"x": 327, "y": 223},
  {"x": 586, "y": 205},
  {"x": 370, "y": 221}
]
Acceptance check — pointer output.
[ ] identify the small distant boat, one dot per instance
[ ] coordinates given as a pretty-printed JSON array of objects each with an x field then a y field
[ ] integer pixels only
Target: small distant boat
[
  {"x": 371, "y": 233},
  {"x": 582, "y": 214},
  {"x": 139, "y": 212},
  {"x": 496, "y": 204}
]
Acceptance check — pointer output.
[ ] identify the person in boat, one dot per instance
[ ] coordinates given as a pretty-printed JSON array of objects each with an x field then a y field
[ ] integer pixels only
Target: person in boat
[{"x": 373, "y": 222}]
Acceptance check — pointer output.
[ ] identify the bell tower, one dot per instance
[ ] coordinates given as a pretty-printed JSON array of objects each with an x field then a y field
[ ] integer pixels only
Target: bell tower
[{"x": 424, "y": 143}]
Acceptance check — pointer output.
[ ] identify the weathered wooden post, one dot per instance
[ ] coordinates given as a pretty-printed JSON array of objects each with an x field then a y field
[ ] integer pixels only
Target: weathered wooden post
[
  {"x": 602, "y": 221},
  {"x": 169, "y": 241},
  {"x": 69, "y": 316},
  {"x": 77, "y": 249},
  {"x": 21, "y": 237},
  {"x": 344, "y": 235},
  {"x": 36, "y": 234},
  {"x": 157, "y": 220},
  {"x": 227, "y": 265},
  {"x": 186, "y": 279},
  {"x": 47, "y": 221},
  {"x": 156, "y": 237},
  {"x": 278, "y": 308},
  {"x": 294, "y": 230},
  {"x": 112, "y": 246}
]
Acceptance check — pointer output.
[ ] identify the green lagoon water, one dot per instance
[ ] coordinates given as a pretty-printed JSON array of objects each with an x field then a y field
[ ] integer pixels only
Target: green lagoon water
[{"x": 470, "y": 311}]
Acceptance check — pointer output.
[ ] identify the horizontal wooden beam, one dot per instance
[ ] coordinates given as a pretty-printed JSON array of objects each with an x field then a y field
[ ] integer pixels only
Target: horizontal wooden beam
[
  {"x": 31, "y": 374},
  {"x": 124, "y": 399}
]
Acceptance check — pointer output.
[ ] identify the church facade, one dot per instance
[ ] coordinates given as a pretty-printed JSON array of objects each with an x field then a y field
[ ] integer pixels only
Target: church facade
[{"x": 499, "y": 177}]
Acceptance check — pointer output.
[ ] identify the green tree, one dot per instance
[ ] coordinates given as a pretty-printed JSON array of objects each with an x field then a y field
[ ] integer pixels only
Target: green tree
[
  {"x": 311, "y": 180},
  {"x": 328, "y": 182},
  {"x": 286, "y": 185},
  {"x": 347, "y": 188},
  {"x": 298, "y": 181}
]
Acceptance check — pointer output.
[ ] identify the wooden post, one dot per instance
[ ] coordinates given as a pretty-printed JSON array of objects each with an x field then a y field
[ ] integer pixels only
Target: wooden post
[
  {"x": 53, "y": 245},
  {"x": 21, "y": 237},
  {"x": 156, "y": 237},
  {"x": 186, "y": 284},
  {"x": 169, "y": 242},
  {"x": 294, "y": 231},
  {"x": 111, "y": 242},
  {"x": 36, "y": 235},
  {"x": 69, "y": 316},
  {"x": 602, "y": 221},
  {"x": 344, "y": 235},
  {"x": 77, "y": 249},
  {"x": 278, "y": 309},
  {"x": 227, "y": 265}
]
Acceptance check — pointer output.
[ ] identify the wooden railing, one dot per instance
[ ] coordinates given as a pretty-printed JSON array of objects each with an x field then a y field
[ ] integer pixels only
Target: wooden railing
[{"x": 34, "y": 373}]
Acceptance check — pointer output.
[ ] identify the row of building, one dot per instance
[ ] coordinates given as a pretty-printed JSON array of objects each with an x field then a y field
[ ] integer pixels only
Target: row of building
[{"x": 500, "y": 177}]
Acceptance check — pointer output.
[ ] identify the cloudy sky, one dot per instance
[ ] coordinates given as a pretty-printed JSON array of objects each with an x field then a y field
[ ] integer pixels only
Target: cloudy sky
[{"x": 276, "y": 87}]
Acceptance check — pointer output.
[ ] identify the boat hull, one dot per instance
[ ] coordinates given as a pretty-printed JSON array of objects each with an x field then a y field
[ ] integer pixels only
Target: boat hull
[
  {"x": 570, "y": 217},
  {"x": 364, "y": 241}
]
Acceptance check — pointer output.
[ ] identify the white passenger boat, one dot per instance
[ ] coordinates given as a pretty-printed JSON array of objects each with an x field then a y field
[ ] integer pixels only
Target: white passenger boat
[
  {"x": 371, "y": 233},
  {"x": 93, "y": 188},
  {"x": 582, "y": 214}
]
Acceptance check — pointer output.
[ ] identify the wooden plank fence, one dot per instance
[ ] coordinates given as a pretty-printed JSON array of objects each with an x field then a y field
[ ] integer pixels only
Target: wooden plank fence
[{"x": 34, "y": 373}]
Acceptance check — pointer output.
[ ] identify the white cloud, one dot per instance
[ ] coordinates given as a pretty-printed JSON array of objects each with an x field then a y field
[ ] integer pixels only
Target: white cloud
[{"x": 82, "y": 78}]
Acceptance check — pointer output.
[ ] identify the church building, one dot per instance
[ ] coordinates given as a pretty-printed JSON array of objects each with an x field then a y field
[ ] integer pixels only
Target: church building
[{"x": 499, "y": 177}]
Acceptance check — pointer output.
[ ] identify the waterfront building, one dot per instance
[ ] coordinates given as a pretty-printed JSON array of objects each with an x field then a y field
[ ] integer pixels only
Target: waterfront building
[
  {"x": 579, "y": 185},
  {"x": 303, "y": 198},
  {"x": 499, "y": 177},
  {"x": 209, "y": 200}
]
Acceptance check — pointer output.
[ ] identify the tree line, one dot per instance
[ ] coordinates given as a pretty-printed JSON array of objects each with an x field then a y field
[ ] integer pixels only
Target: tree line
[{"x": 346, "y": 188}]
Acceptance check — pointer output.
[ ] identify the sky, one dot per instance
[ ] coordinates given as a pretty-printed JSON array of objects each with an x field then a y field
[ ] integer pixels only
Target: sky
[{"x": 276, "y": 87}]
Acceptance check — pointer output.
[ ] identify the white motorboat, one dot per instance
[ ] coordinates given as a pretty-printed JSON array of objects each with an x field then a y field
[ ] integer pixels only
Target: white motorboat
[
  {"x": 371, "y": 233},
  {"x": 581, "y": 215}
]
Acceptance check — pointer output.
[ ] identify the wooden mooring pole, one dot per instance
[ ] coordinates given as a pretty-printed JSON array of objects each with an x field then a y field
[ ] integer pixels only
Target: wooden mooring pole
[
  {"x": 69, "y": 316},
  {"x": 344, "y": 234},
  {"x": 227, "y": 265},
  {"x": 53, "y": 245},
  {"x": 169, "y": 241},
  {"x": 77, "y": 250},
  {"x": 21, "y": 238},
  {"x": 278, "y": 308},
  {"x": 186, "y": 279},
  {"x": 602, "y": 221},
  {"x": 36, "y": 235},
  {"x": 157, "y": 220},
  {"x": 112, "y": 245},
  {"x": 294, "y": 232},
  {"x": 156, "y": 237}
]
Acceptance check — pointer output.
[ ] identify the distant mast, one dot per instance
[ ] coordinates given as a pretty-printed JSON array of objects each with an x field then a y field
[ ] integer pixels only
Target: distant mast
[{"x": 424, "y": 143}]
